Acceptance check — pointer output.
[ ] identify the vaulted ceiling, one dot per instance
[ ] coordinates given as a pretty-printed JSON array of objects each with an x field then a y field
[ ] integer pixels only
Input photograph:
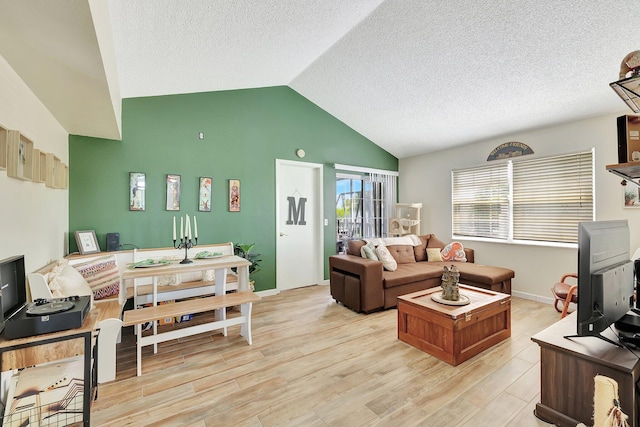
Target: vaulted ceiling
[{"x": 413, "y": 76}]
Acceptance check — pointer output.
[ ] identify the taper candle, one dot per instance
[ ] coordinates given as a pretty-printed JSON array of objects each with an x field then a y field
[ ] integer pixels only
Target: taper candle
[
  {"x": 188, "y": 227},
  {"x": 174, "y": 228},
  {"x": 181, "y": 228},
  {"x": 195, "y": 227}
]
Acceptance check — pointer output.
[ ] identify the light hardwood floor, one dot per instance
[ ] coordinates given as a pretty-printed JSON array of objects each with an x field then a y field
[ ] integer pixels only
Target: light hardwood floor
[{"x": 316, "y": 363}]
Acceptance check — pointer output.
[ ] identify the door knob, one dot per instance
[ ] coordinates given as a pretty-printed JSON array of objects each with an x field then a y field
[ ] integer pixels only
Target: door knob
[{"x": 282, "y": 234}]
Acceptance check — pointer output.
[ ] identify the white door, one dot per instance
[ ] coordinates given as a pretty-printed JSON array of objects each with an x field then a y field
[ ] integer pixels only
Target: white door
[{"x": 299, "y": 238}]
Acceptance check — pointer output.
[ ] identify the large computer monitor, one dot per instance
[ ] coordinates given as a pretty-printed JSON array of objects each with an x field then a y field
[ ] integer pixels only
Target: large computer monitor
[{"x": 605, "y": 275}]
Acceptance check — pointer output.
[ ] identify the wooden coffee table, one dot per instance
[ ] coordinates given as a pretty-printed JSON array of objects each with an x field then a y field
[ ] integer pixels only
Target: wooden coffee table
[{"x": 454, "y": 333}]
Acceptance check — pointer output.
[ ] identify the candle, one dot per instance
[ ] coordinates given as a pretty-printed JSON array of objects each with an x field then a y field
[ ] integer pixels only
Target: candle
[
  {"x": 195, "y": 227},
  {"x": 181, "y": 228},
  {"x": 187, "y": 227},
  {"x": 174, "y": 228}
]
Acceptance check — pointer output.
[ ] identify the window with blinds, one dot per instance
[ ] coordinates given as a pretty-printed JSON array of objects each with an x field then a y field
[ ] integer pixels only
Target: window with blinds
[
  {"x": 481, "y": 202},
  {"x": 539, "y": 200},
  {"x": 551, "y": 196}
]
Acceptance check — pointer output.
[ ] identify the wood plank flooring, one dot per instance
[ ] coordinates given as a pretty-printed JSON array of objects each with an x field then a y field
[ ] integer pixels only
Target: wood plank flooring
[{"x": 316, "y": 363}]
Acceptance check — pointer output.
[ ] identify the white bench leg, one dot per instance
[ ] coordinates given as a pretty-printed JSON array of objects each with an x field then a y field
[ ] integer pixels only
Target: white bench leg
[
  {"x": 139, "y": 348},
  {"x": 245, "y": 329},
  {"x": 221, "y": 289},
  {"x": 107, "y": 338}
]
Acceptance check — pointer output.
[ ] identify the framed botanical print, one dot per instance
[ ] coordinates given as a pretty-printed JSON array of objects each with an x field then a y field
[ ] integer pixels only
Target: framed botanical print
[
  {"x": 204, "y": 195},
  {"x": 173, "y": 192},
  {"x": 234, "y": 195},
  {"x": 631, "y": 194},
  {"x": 137, "y": 187},
  {"x": 87, "y": 242}
]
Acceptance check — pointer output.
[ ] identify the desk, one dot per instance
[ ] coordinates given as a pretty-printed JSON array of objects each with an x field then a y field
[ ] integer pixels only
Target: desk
[
  {"x": 219, "y": 265},
  {"x": 567, "y": 370},
  {"x": 22, "y": 352}
]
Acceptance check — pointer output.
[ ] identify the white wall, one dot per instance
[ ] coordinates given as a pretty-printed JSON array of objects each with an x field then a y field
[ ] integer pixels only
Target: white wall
[
  {"x": 33, "y": 217},
  {"x": 427, "y": 179}
]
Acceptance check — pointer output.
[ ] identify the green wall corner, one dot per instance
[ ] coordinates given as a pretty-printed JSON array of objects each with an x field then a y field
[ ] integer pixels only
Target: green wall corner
[{"x": 245, "y": 132}]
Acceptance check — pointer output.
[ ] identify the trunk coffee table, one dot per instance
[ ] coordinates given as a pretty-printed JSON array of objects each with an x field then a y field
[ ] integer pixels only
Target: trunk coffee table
[{"x": 454, "y": 333}]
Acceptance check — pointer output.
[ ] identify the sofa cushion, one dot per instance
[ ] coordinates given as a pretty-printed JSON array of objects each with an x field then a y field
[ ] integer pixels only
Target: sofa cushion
[
  {"x": 388, "y": 262},
  {"x": 354, "y": 246},
  {"x": 454, "y": 251},
  {"x": 403, "y": 254},
  {"x": 409, "y": 273},
  {"x": 434, "y": 255},
  {"x": 479, "y": 273},
  {"x": 419, "y": 250},
  {"x": 434, "y": 242}
]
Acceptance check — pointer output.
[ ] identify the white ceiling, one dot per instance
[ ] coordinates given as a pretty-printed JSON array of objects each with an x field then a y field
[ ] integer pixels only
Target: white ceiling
[{"x": 413, "y": 76}]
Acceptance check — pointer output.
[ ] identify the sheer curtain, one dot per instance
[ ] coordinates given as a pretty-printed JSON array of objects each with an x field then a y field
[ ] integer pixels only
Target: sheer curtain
[
  {"x": 379, "y": 195},
  {"x": 380, "y": 201}
]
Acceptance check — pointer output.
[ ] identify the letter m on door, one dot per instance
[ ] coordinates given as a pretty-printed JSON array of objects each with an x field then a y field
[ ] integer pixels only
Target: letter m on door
[{"x": 296, "y": 214}]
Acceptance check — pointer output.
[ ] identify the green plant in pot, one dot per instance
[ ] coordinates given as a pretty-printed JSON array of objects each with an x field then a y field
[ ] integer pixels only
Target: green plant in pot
[{"x": 244, "y": 250}]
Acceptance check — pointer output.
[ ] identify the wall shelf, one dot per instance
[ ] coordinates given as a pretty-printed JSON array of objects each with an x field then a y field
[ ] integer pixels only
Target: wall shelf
[
  {"x": 3, "y": 148},
  {"x": 628, "y": 171},
  {"x": 19, "y": 156}
]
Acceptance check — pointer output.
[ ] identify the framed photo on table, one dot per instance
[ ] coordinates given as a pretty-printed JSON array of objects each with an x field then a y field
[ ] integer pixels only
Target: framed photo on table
[
  {"x": 173, "y": 192},
  {"x": 234, "y": 195},
  {"x": 87, "y": 242}
]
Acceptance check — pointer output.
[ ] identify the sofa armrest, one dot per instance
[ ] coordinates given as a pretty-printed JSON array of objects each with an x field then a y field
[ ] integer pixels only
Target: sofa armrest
[
  {"x": 470, "y": 254},
  {"x": 363, "y": 274}
]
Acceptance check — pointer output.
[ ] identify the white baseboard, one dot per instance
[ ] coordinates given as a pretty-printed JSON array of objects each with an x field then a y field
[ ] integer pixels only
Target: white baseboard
[
  {"x": 533, "y": 297},
  {"x": 268, "y": 292}
]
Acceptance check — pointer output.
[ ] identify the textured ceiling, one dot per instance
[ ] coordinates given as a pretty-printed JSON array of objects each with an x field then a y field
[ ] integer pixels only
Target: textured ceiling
[{"x": 413, "y": 76}]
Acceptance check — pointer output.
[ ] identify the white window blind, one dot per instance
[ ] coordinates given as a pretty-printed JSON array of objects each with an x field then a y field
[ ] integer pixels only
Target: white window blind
[
  {"x": 480, "y": 201},
  {"x": 551, "y": 196},
  {"x": 540, "y": 199}
]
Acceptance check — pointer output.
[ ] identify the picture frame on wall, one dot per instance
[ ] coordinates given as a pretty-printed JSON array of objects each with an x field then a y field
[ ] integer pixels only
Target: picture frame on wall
[
  {"x": 173, "y": 192},
  {"x": 631, "y": 193},
  {"x": 87, "y": 242},
  {"x": 204, "y": 194},
  {"x": 234, "y": 195},
  {"x": 137, "y": 191}
]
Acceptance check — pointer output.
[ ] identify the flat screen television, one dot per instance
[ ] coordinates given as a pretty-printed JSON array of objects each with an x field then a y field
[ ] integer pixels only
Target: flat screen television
[
  {"x": 605, "y": 275},
  {"x": 13, "y": 290}
]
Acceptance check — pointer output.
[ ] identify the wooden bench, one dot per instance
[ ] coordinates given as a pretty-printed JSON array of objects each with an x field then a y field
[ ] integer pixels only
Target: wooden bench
[{"x": 219, "y": 302}]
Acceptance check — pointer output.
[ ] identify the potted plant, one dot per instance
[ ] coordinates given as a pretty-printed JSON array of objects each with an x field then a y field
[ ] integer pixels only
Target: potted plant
[{"x": 244, "y": 250}]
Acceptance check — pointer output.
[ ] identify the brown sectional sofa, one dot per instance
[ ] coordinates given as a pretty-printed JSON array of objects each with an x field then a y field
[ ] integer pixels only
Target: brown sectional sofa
[{"x": 363, "y": 285}]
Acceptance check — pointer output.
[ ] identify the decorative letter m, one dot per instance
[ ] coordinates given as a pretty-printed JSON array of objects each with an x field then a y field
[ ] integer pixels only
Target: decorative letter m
[{"x": 296, "y": 215}]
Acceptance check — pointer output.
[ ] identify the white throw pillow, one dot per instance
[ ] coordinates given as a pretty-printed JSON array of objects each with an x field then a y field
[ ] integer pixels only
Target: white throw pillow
[
  {"x": 388, "y": 262},
  {"x": 70, "y": 283},
  {"x": 369, "y": 251}
]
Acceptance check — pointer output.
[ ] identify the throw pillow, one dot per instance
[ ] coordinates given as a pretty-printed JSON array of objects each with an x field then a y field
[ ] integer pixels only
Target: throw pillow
[
  {"x": 433, "y": 255},
  {"x": 102, "y": 275},
  {"x": 69, "y": 283},
  {"x": 387, "y": 260},
  {"x": 454, "y": 252},
  {"x": 369, "y": 251}
]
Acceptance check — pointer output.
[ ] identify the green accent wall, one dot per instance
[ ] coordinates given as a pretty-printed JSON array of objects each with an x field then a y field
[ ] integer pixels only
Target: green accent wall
[{"x": 245, "y": 132}]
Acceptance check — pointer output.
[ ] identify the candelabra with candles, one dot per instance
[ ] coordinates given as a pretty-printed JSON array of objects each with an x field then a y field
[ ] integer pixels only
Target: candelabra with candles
[{"x": 186, "y": 241}]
